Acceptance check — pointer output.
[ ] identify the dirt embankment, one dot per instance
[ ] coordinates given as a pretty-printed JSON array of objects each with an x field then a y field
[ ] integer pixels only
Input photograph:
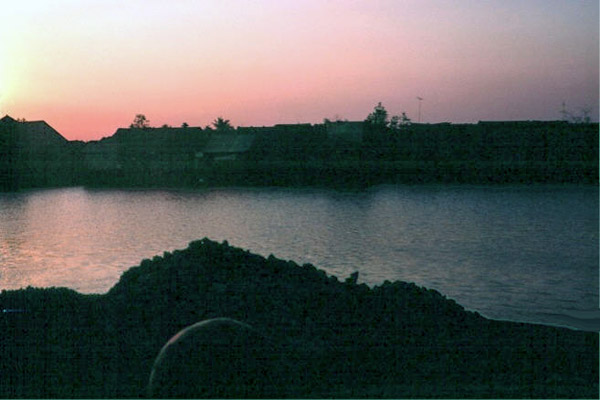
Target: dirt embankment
[{"x": 332, "y": 338}]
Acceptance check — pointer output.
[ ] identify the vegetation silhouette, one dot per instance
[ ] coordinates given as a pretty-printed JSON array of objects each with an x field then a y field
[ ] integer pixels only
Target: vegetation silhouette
[
  {"x": 379, "y": 117},
  {"x": 140, "y": 122},
  {"x": 335, "y": 153},
  {"x": 582, "y": 117},
  {"x": 320, "y": 337},
  {"x": 378, "y": 120},
  {"x": 222, "y": 125}
]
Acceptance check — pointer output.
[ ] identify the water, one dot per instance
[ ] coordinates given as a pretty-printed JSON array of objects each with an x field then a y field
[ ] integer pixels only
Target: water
[{"x": 522, "y": 253}]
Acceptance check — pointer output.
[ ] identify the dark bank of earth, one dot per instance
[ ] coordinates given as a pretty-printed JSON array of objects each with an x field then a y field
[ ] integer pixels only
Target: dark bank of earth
[{"x": 340, "y": 339}]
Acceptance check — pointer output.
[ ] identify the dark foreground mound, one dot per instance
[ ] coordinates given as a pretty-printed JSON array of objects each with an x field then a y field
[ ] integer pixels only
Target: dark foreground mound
[{"x": 333, "y": 339}]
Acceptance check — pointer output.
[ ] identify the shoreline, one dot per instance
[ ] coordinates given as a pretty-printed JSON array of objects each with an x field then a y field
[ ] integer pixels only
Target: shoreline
[
  {"x": 348, "y": 339},
  {"x": 340, "y": 186}
]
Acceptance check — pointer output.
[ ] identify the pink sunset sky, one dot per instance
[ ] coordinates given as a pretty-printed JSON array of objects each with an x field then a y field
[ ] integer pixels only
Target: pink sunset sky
[{"x": 87, "y": 67}]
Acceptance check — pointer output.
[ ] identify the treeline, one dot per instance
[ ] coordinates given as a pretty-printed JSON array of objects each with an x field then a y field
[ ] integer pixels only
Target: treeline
[
  {"x": 525, "y": 152},
  {"x": 499, "y": 142},
  {"x": 332, "y": 153},
  {"x": 502, "y": 142}
]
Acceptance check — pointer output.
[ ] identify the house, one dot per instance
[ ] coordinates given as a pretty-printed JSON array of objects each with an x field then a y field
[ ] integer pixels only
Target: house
[
  {"x": 162, "y": 148},
  {"x": 351, "y": 131},
  {"x": 226, "y": 146},
  {"x": 32, "y": 153},
  {"x": 101, "y": 155},
  {"x": 35, "y": 134}
]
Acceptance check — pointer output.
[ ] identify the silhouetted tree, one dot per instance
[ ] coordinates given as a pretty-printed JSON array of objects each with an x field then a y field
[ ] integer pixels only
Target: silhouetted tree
[
  {"x": 394, "y": 123},
  {"x": 140, "y": 121},
  {"x": 222, "y": 125},
  {"x": 582, "y": 118},
  {"x": 379, "y": 117},
  {"x": 184, "y": 125},
  {"x": 399, "y": 122},
  {"x": 378, "y": 120},
  {"x": 404, "y": 120}
]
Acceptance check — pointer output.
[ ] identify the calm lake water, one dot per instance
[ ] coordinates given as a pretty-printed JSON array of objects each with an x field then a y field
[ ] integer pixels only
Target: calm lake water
[{"x": 523, "y": 253}]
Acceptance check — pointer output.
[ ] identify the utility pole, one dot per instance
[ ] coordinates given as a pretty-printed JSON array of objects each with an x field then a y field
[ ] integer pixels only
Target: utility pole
[{"x": 420, "y": 99}]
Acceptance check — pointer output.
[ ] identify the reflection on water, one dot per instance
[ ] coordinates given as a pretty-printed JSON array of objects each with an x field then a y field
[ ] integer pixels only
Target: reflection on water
[{"x": 512, "y": 252}]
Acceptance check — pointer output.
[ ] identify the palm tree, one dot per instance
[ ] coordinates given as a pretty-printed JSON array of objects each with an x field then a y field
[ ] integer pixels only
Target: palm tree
[{"x": 222, "y": 125}]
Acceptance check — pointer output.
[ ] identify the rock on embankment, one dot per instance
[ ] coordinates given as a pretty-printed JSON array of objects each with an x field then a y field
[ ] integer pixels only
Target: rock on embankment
[{"x": 337, "y": 338}]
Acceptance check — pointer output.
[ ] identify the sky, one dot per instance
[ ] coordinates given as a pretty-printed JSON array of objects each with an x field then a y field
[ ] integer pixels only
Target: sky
[{"x": 88, "y": 67}]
